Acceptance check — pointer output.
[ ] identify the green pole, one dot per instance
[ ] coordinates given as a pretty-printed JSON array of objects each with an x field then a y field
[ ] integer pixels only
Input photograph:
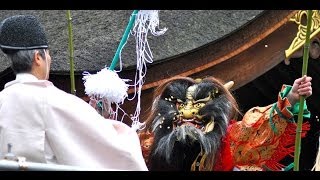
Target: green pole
[
  {"x": 71, "y": 55},
  {"x": 301, "y": 102},
  {"x": 123, "y": 40}
]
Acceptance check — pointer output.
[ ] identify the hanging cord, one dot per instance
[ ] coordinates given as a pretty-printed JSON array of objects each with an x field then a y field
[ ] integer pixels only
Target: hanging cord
[{"x": 146, "y": 20}]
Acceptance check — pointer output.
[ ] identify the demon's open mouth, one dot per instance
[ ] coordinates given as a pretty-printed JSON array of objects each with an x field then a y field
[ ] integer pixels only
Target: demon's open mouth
[
  {"x": 192, "y": 122},
  {"x": 195, "y": 122}
]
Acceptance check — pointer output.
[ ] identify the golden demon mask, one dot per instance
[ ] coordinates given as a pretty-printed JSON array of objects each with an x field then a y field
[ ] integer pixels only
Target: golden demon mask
[{"x": 189, "y": 118}]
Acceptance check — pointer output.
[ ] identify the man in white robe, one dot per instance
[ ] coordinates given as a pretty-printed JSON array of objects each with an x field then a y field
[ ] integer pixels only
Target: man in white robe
[{"x": 47, "y": 125}]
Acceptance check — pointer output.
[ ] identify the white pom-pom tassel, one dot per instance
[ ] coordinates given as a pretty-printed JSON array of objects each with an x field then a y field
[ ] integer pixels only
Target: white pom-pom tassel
[{"x": 106, "y": 84}]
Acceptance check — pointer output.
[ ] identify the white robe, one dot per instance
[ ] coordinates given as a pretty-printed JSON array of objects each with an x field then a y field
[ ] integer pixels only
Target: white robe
[{"x": 47, "y": 125}]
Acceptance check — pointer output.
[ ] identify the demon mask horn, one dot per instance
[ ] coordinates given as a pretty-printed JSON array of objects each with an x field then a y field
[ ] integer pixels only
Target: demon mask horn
[{"x": 228, "y": 85}]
